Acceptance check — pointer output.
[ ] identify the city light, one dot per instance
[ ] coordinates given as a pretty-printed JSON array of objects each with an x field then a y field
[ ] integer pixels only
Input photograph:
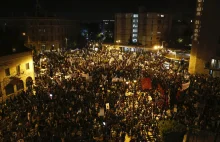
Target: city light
[
  {"x": 23, "y": 34},
  {"x": 118, "y": 41}
]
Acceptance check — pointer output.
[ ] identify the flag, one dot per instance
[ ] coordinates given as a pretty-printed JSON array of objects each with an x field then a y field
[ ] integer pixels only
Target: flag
[
  {"x": 161, "y": 90},
  {"x": 146, "y": 83}
]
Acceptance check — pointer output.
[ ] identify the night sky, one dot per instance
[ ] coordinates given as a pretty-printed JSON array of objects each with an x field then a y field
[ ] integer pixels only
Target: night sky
[{"x": 96, "y": 9}]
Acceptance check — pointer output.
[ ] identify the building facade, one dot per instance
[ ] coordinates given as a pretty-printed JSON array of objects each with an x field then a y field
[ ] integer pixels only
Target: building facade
[
  {"x": 205, "y": 52},
  {"x": 16, "y": 74},
  {"x": 147, "y": 29},
  {"x": 44, "y": 33}
]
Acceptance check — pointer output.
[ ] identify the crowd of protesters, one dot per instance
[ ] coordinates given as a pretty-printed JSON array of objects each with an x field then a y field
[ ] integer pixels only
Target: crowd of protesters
[{"x": 86, "y": 95}]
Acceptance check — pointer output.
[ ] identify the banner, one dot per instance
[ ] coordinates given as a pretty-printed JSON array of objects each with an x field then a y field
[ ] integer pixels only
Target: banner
[
  {"x": 101, "y": 112},
  {"x": 160, "y": 90},
  {"x": 146, "y": 83},
  {"x": 185, "y": 86},
  {"x": 116, "y": 79}
]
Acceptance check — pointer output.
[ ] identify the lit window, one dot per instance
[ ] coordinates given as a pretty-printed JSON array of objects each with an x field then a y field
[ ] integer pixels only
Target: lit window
[
  {"x": 134, "y": 30},
  {"x": 191, "y": 21},
  {"x": 196, "y": 30},
  {"x": 158, "y": 32},
  {"x": 198, "y": 13},
  {"x": 134, "y": 40},
  {"x": 135, "y": 15},
  {"x": 135, "y": 20},
  {"x": 197, "y": 22},
  {"x": 134, "y": 35},
  {"x": 7, "y": 72},
  {"x": 161, "y": 15},
  {"x": 135, "y": 25},
  {"x": 199, "y": 9},
  {"x": 27, "y": 66},
  {"x": 23, "y": 34}
]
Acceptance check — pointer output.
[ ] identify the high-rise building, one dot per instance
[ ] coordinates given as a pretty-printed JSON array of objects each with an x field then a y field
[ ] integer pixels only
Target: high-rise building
[
  {"x": 205, "y": 52},
  {"x": 147, "y": 29}
]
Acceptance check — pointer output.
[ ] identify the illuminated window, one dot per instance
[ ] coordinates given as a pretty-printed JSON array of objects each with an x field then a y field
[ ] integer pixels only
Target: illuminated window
[
  {"x": 134, "y": 40},
  {"x": 198, "y": 13},
  {"x": 196, "y": 35},
  {"x": 199, "y": 9},
  {"x": 134, "y": 35},
  {"x": 135, "y": 20},
  {"x": 161, "y": 15},
  {"x": 134, "y": 30},
  {"x": 135, "y": 25},
  {"x": 197, "y": 22},
  {"x": 158, "y": 32},
  {"x": 196, "y": 31},
  {"x": 135, "y": 15},
  {"x": 195, "y": 38}
]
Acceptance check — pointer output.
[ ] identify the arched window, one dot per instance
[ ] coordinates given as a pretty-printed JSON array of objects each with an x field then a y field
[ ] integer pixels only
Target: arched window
[
  {"x": 9, "y": 89},
  {"x": 29, "y": 82},
  {"x": 20, "y": 85}
]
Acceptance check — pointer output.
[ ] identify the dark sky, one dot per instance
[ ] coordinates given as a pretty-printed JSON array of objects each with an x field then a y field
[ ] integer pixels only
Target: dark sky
[{"x": 95, "y": 9}]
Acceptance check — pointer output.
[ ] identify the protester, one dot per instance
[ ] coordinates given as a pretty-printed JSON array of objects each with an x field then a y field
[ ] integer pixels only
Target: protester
[{"x": 106, "y": 95}]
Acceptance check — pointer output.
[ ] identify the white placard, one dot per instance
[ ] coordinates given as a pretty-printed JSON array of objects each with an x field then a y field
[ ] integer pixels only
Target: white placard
[{"x": 107, "y": 106}]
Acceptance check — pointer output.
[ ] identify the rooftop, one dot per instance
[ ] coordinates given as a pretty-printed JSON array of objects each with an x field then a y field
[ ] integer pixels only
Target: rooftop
[{"x": 7, "y": 49}]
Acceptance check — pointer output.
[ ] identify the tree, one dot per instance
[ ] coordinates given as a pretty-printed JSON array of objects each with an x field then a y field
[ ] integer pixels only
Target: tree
[{"x": 171, "y": 130}]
